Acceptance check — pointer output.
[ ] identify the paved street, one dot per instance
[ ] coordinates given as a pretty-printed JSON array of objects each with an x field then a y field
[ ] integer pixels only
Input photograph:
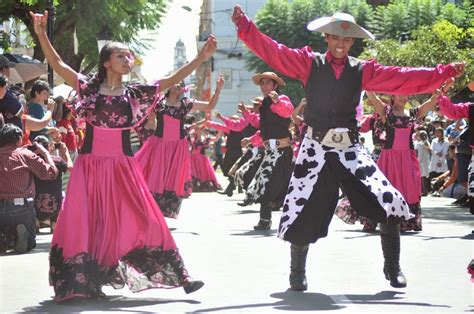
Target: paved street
[{"x": 247, "y": 271}]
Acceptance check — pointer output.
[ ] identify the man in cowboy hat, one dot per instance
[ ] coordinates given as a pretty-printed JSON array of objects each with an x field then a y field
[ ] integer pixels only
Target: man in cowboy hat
[
  {"x": 10, "y": 106},
  {"x": 329, "y": 156},
  {"x": 268, "y": 187}
]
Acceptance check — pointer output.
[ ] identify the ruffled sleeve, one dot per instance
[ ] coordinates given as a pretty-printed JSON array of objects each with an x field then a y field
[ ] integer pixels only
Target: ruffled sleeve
[
  {"x": 86, "y": 96},
  {"x": 143, "y": 100}
]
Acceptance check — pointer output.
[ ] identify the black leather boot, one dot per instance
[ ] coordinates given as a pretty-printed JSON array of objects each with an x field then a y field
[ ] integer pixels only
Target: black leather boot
[
  {"x": 245, "y": 202},
  {"x": 263, "y": 224},
  {"x": 265, "y": 221},
  {"x": 192, "y": 285},
  {"x": 298, "y": 267},
  {"x": 391, "y": 254},
  {"x": 229, "y": 191}
]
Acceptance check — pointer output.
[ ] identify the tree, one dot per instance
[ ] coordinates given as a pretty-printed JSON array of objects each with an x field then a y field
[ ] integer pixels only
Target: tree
[
  {"x": 286, "y": 21},
  {"x": 430, "y": 45},
  {"x": 123, "y": 19},
  {"x": 401, "y": 17}
]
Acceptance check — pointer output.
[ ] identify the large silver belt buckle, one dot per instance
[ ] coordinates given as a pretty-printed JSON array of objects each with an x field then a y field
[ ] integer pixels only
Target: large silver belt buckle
[{"x": 337, "y": 137}]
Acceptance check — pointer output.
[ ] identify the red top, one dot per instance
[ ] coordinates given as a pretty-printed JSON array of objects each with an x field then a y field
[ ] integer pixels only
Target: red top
[
  {"x": 296, "y": 63},
  {"x": 68, "y": 134},
  {"x": 17, "y": 168}
]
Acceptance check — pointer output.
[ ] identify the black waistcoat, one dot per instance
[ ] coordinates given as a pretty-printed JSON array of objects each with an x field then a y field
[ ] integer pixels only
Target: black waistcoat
[
  {"x": 332, "y": 103},
  {"x": 271, "y": 124}
]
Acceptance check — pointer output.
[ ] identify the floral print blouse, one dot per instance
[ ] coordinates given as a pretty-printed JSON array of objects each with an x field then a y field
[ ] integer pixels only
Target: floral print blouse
[
  {"x": 124, "y": 111},
  {"x": 398, "y": 122}
]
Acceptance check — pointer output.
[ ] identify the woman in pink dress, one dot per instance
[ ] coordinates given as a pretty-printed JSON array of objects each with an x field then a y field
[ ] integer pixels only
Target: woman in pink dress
[
  {"x": 110, "y": 230},
  {"x": 165, "y": 158},
  {"x": 202, "y": 174},
  {"x": 398, "y": 159}
]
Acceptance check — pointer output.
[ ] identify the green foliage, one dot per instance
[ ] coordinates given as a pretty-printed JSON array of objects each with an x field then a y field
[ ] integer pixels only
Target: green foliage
[
  {"x": 430, "y": 45},
  {"x": 123, "y": 19},
  {"x": 404, "y": 16}
]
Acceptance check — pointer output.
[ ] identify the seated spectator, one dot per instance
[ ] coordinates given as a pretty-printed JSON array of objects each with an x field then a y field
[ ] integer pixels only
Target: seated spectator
[
  {"x": 10, "y": 106},
  {"x": 18, "y": 167},
  {"x": 449, "y": 185},
  {"x": 37, "y": 106},
  {"x": 454, "y": 130},
  {"x": 48, "y": 197}
]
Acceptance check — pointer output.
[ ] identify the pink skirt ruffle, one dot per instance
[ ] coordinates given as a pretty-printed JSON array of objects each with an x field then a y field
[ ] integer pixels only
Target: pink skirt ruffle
[
  {"x": 203, "y": 173},
  {"x": 166, "y": 165},
  {"x": 107, "y": 211},
  {"x": 402, "y": 169}
]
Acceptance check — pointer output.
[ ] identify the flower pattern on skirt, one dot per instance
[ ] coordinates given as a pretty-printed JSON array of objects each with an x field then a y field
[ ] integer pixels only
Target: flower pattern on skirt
[{"x": 81, "y": 276}]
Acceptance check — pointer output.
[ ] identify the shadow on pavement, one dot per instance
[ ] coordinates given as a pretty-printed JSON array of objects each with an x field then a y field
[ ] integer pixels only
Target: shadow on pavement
[
  {"x": 455, "y": 215},
  {"x": 110, "y": 303},
  {"x": 247, "y": 211},
  {"x": 297, "y": 301},
  {"x": 261, "y": 233}
]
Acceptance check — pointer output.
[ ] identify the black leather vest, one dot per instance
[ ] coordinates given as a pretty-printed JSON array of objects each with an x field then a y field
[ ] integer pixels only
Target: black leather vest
[
  {"x": 271, "y": 124},
  {"x": 332, "y": 102}
]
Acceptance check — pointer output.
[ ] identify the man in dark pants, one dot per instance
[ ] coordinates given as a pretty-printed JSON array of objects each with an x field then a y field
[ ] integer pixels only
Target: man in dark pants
[
  {"x": 18, "y": 166},
  {"x": 330, "y": 156}
]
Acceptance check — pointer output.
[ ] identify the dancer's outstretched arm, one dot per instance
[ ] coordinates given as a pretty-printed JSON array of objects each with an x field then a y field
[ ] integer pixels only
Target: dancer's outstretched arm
[{"x": 54, "y": 60}]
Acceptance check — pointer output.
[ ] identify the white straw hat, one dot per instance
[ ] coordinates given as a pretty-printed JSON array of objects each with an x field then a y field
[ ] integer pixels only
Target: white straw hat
[{"x": 340, "y": 24}]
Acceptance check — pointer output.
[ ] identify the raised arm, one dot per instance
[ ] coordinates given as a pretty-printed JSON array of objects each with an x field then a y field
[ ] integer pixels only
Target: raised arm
[
  {"x": 294, "y": 63},
  {"x": 405, "y": 80},
  {"x": 208, "y": 106},
  {"x": 54, "y": 60},
  {"x": 34, "y": 124},
  {"x": 186, "y": 70},
  {"x": 379, "y": 105},
  {"x": 295, "y": 116}
]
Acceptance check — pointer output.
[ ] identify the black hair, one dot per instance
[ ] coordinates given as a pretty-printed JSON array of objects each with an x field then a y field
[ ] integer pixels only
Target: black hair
[
  {"x": 189, "y": 119},
  {"x": 38, "y": 87},
  {"x": 10, "y": 134},
  {"x": 42, "y": 140},
  {"x": 66, "y": 111},
  {"x": 3, "y": 80},
  {"x": 167, "y": 94},
  {"x": 104, "y": 56}
]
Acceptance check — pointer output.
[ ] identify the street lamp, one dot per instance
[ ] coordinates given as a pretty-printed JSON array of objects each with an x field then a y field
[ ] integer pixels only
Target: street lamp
[
  {"x": 50, "y": 33},
  {"x": 103, "y": 38}
]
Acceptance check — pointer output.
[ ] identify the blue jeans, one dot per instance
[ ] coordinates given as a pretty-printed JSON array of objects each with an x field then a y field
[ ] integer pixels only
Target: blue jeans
[{"x": 12, "y": 215}]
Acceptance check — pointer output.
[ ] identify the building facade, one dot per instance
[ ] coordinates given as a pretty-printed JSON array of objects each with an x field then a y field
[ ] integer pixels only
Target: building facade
[{"x": 228, "y": 59}]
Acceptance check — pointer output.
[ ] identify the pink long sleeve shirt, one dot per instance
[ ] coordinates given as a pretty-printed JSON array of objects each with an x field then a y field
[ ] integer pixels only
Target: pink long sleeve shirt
[
  {"x": 229, "y": 125},
  {"x": 296, "y": 63},
  {"x": 453, "y": 111}
]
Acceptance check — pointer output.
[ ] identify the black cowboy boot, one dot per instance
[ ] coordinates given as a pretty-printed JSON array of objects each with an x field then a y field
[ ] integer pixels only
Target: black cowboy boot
[
  {"x": 245, "y": 202},
  {"x": 229, "y": 191},
  {"x": 265, "y": 221},
  {"x": 298, "y": 267},
  {"x": 391, "y": 253},
  {"x": 192, "y": 285},
  {"x": 263, "y": 224}
]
